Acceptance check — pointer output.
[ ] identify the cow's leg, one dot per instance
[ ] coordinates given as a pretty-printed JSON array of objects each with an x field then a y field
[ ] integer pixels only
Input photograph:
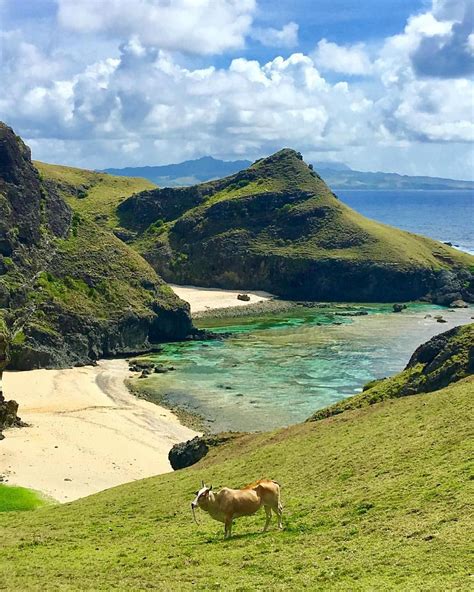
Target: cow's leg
[
  {"x": 278, "y": 509},
  {"x": 228, "y": 527},
  {"x": 268, "y": 512}
]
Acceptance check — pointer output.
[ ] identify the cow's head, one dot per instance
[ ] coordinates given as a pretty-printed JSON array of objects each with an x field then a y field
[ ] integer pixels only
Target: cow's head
[{"x": 202, "y": 496}]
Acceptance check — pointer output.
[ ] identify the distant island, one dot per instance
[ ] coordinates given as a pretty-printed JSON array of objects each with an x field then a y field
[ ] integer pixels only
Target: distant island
[{"x": 336, "y": 174}]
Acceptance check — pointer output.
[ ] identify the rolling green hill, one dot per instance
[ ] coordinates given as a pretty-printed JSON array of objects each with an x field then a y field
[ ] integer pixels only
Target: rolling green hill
[
  {"x": 375, "y": 499},
  {"x": 276, "y": 226},
  {"x": 92, "y": 193}
]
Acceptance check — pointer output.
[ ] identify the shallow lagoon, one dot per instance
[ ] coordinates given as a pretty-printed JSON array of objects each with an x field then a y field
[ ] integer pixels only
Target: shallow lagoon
[{"x": 276, "y": 370}]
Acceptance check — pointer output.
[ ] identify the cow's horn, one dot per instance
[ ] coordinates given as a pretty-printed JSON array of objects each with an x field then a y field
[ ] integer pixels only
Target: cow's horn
[{"x": 202, "y": 482}]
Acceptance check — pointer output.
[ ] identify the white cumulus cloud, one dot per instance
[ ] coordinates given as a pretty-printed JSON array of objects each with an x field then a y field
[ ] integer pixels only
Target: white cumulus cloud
[
  {"x": 287, "y": 36},
  {"x": 141, "y": 101},
  {"x": 346, "y": 59},
  {"x": 194, "y": 26}
]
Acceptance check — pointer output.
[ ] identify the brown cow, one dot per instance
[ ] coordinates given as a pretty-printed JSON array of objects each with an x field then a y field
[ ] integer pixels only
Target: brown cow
[{"x": 227, "y": 504}]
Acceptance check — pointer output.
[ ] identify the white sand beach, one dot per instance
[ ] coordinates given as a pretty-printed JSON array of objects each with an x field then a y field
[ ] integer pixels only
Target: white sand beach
[
  {"x": 202, "y": 299},
  {"x": 88, "y": 433}
]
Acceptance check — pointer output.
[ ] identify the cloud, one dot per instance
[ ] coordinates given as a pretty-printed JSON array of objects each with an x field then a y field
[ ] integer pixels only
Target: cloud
[
  {"x": 287, "y": 36},
  {"x": 139, "y": 101},
  {"x": 193, "y": 26},
  {"x": 417, "y": 107},
  {"x": 447, "y": 53},
  {"x": 352, "y": 59},
  {"x": 145, "y": 105}
]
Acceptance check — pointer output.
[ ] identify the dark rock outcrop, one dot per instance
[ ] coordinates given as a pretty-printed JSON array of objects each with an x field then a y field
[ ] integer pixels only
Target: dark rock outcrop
[
  {"x": 8, "y": 415},
  {"x": 70, "y": 291},
  {"x": 188, "y": 453},
  {"x": 445, "y": 358}
]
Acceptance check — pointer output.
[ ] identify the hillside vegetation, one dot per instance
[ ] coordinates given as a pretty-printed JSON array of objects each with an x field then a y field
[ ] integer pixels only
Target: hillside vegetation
[
  {"x": 89, "y": 192},
  {"x": 19, "y": 499},
  {"x": 375, "y": 499},
  {"x": 71, "y": 291},
  {"x": 277, "y": 226}
]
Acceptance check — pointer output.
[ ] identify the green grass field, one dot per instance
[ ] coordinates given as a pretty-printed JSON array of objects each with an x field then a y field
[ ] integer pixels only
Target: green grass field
[
  {"x": 93, "y": 193},
  {"x": 14, "y": 499},
  {"x": 378, "y": 498}
]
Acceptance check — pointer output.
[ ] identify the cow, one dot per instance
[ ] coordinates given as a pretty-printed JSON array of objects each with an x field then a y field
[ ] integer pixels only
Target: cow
[{"x": 228, "y": 504}]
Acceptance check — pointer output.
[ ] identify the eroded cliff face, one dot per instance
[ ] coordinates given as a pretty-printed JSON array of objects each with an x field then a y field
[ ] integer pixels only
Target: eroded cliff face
[
  {"x": 70, "y": 291},
  {"x": 276, "y": 226}
]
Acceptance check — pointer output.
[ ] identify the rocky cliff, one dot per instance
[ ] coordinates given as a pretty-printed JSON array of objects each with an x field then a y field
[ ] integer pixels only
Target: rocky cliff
[
  {"x": 276, "y": 226},
  {"x": 70, "y": 291}
]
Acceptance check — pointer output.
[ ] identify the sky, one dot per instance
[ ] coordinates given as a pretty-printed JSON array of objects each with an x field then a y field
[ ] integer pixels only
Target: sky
[{"x": 380, "y": 85}]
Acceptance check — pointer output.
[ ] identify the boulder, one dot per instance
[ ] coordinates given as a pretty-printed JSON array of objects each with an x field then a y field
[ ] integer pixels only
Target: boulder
[
  {"x": 399, "y": 307},
  {"x": 188, "y": 453},
  {"x": 459, "y": 304},
  {"x": 243, "y": 297}
]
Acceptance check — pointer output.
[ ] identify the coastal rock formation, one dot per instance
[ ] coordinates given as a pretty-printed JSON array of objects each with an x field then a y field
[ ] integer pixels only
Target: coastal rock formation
[
  {"x": 70, "y": 291},
  {"x": 8, "y": 409},
  {"x": 441, "y": 361},
  {"x": 188, "y": 453},
  {"x": 276, "y": 226}
]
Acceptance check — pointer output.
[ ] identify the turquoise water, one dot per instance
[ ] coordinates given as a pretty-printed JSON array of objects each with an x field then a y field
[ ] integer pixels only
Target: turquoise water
[{"x": 274, "y": 371}]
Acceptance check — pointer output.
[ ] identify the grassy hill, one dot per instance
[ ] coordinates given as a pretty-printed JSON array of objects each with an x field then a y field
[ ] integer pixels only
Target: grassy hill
[
  {"x": 277, "y": 226},
  {"x": 71, "y": 291},
  {"x": 375, "y": 499},
  {"x": 90, "y": 192},
  {"x": 19, "y": 499}
]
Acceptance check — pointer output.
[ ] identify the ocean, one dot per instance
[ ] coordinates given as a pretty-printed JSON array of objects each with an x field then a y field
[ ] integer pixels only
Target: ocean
[
  {"x": 442, "y": 215},
  {"x": 277, "y": 370}
]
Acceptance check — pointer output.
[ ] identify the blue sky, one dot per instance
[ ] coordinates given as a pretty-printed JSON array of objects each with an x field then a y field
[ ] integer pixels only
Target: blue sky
[{"x": 377, "y": 85}]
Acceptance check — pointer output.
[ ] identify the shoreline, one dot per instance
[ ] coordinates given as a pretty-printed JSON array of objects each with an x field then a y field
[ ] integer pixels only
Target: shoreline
[
  {"x": 202, "y": 300},
  {"x": 87, "y": 432}
]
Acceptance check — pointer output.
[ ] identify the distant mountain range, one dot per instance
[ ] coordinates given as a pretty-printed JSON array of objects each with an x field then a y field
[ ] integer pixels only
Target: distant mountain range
[
  {"x": 185, "y": 173},
  {"x": 337, "y": 175}
]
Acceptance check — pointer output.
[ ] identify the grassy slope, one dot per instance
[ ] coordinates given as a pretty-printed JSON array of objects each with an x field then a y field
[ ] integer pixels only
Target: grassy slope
[
  {"x": 14, "y": 499},
  {"x": 100, "y": 193},
  {"x": 345, "y": 234},
  {"x": 127, "y": 272},
  {"x": 95, "y": 253},
  {"x": 375, "y": 499}
]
